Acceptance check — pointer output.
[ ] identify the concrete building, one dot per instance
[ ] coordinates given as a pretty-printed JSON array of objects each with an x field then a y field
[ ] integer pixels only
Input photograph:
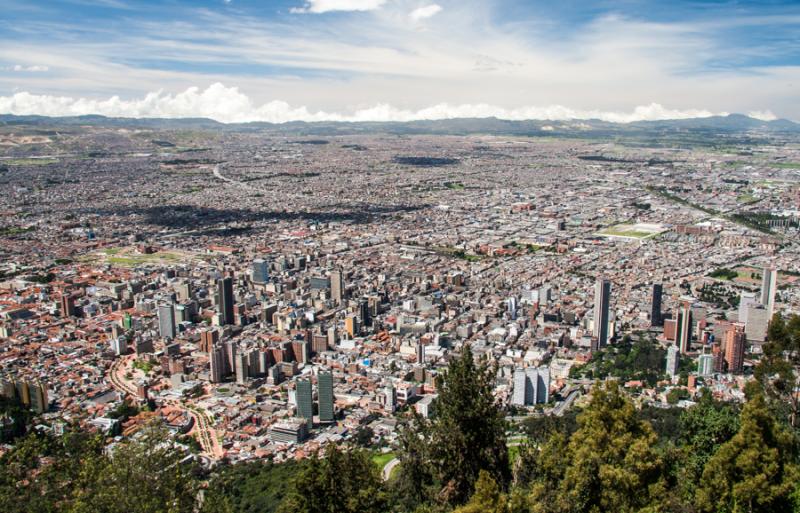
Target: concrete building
[
  {"x": 531, "y": 386},
  {"x": 602, "y": 298},
  {"x": 673, "y": 360},
  {"x": 166, "y": 321},
  {"x": 325, "y": 396}
]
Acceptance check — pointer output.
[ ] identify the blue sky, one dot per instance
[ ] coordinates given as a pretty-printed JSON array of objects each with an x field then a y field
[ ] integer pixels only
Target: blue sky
[{"x": 280, "y": 60}]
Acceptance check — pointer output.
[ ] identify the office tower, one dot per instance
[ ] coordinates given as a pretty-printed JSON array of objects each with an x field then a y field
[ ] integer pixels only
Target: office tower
[
  {"x": 225, "y": 300},
  {"x": 531, "y": 386},
  {"x": 351, "y": 325},
  {"x": 705, "y": 365},
  {"x": 325, "y": 396},
  {"x": 746, "y": 299},
  {"x": 119, "y": 345},
  {"x": 319, "y": 343},
  {"x": 300, "y": 350},
  {"x": 655, "y": 306},
  {"x": 769, "y": 283},
  {"x": 166, "y": 321},
  {"x": 333, "y": 336},
  {"x": 602, "y": 297},
  {"x": 672, "y": 361},
  {"x": 231, "y": 348},
  {"x": 390, "y": 396},
  {"x": 67, "y": 305},
  {"x": 37, "y": 397},
  {"x": 683, "y": 329},
  {"x": 305, "y": 406},
  {"x": 184, "y": 290},
  {"x": 208, "y": 338},
  {"x": 364, "y": 313},
  {"x": 337, "y": 286},
  {"x": 420, "y": 353},
  {"x": 260, "y": 270},
  {"x": 758, "y": 318},
  {"x": 216, "y": 364},
  {"x": 242, "y": 367},
  {"x": 734, "y": 349}
]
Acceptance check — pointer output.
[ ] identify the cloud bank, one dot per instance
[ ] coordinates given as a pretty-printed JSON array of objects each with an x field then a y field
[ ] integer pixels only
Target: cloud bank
[
  {"x": 229, "y": 105},
  {"x": 322, "y": 6}
]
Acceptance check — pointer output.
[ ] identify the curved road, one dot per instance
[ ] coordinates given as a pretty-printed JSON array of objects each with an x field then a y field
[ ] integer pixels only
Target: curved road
[
  {"x": 206, "y": 435},
  {"x": 387, "y": 469}
]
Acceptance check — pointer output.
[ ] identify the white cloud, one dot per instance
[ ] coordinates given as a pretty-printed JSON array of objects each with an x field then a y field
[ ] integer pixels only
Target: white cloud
[
  {"x": 425, "y": 12},
  {"x": 29, "y": 69},
  {"x": 763, "y": 115},
  {"x": 321, "y": 6},
  {"x": 229, "y": 105}
]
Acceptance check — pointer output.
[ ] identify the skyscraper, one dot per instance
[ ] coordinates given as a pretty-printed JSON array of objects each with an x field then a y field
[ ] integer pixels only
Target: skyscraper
[
  {"x": 325, "y": 396},
  {"x": 305, "y": 405},
  {"x": 672, "y": 361},
  {"x": 769, "y": 283},
  {"x": 337, "y": 286},
  {"x": 683, "y": 332},
  {"x": 260, "y": 270},
  {"x": 225, "y": 300},
  {"x": 67, "y": 305},
  {"x": 602, "y": 298},
  {"x": 705, "y": 365},
  {"x": 216, "y": 364},
  {"x": 166, "y": 321},
  {"x": 655, "y": 306},
  {"x": 734, "y": 348},
  {"x": 531, "y": 386}
]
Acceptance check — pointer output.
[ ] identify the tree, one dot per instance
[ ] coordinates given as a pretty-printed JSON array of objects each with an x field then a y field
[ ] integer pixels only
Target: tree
[
  {"x": 143, "y": 475},
  {"x": 703, "y": 429},
  {"x": 777, "y": 371},
  {"x": 488, "y": 497},
  {"x": 753, "y": 472},
  {"x": 467, "y": 434},
  {"x": 249, "y": 487},
  {"x": 608, "y": 465},
  {"x": 343, "y": 481}
]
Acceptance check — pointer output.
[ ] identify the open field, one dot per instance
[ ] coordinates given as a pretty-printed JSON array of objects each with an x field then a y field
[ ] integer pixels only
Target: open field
[
  {"x": 130, "y": 257},
  {"x": 632, "y": 231}
]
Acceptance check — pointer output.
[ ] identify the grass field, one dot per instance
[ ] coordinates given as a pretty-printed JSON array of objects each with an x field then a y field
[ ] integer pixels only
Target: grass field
[
  {"x": 29, "y": 162},
  {"x": 381, "y": 459},
  {"x": 785, "y": 165},
  {"x": 129, "y": 257}
]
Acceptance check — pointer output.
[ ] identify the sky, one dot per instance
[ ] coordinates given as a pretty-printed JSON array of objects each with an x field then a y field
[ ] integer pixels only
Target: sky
[{"x": 381, "y": 60}]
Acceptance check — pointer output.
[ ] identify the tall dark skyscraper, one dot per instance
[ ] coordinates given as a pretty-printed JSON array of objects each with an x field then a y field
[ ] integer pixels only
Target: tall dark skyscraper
[
  {"x": 337, "y": 286},
  {"x": 305, "y": 404},
  {"x": 325, "y": 395},
  {"x": 602, "y": 298},
  {"x": 655, "y": 306},
  {"x": 225, "y": 300}
]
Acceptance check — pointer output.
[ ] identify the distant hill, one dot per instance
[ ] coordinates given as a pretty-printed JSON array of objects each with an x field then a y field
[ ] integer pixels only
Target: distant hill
[{"x": 733, "y": 124}]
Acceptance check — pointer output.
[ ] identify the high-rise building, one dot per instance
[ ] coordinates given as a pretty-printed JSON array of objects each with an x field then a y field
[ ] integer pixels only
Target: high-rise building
[
  {"x": 420, "y": 352},
  {"x": 683, "y": 331},
  {"x": 531, "y": 386},
  {"x": 208, "y": 338},
  {"x": 602, "y": 298},
  {"x": 67, "y": 305},
  {"x": 242, "y": 367},
  {"x": 734, "y": 349},
  {"x": 655, "y": 306},
  {"x": 225, "y": 300},
  {"x": 325, "y": 396},
  {"x": 119, "y": 345},
  {"x": 166, "y": 321},
  {"x": 672, "y": 361},
  {"x": 769, "y": 283},
  {"x": 758, "y": 318},
  {"x": 337, "y": 286},
  {"x": 364, "y": 313},
  {"x": 705, "y": 365},
  {"x": 305, "y": 404},
  {"x": 390, "y": 402},
  {"x": 216, "y": 364},
  {"x": 260, "y": 270},
  {"x": 746, "y": 299},
  {"x": 351, "y": 325}
]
